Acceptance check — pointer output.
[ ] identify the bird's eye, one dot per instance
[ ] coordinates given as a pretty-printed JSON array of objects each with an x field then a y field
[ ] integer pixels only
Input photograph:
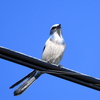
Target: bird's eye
[{"x": 54, "y": 28}]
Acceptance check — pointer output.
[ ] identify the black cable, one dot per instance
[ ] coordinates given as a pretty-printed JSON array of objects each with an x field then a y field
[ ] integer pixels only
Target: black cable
[
  {"x": 45, "y": 65},
  {"x": 52, "y": 69}
]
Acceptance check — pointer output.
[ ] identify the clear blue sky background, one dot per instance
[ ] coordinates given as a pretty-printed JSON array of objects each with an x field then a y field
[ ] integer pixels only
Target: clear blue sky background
[{"x": 24, "y": 27}]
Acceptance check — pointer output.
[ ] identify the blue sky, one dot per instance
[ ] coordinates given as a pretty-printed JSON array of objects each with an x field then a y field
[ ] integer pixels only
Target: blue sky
[{"x": 24, "y": 27}]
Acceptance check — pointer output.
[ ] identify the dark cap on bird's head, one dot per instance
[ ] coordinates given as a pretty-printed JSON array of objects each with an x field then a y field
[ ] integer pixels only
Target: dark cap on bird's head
[{"x": 56, "y": 26}]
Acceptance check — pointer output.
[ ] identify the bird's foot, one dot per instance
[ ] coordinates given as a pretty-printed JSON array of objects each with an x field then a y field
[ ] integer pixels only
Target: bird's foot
[
  {"x": 60, "y": 66},
  {"x": 48, "y": 62}
]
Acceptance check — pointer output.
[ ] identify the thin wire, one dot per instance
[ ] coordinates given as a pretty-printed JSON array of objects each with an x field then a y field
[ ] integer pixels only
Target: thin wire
[{"x": 60, "y": 72}]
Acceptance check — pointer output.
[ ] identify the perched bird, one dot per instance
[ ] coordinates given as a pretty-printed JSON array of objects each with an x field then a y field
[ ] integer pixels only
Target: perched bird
[{"x": 52, "y": 53}]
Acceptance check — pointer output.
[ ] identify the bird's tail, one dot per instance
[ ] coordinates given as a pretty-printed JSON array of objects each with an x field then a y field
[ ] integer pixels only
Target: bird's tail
[{"x": 31, "y": 78}]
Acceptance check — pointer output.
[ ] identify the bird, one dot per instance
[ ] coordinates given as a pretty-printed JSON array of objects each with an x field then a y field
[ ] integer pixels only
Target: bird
[{"x": 52, "y": 53}]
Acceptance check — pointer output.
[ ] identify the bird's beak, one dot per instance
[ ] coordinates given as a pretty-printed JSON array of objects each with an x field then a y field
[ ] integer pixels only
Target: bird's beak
[{"x": 59, "y": 26}]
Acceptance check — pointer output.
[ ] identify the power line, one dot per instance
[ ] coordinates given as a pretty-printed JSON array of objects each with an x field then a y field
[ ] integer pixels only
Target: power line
[{"x": 41, "y": 65}]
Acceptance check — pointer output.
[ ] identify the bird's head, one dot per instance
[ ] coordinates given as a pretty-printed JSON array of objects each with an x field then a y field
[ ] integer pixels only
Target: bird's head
[{"x": 56, "y": 29}]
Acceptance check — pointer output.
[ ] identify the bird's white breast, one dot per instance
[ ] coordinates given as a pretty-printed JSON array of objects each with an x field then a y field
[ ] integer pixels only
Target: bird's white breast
[{"x": 53, "y": 52}]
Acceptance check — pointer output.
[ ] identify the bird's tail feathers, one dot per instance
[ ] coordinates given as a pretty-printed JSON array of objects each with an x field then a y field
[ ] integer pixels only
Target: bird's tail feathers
[
  {"x": 27, "y": 83},
  {"x": 21, "y": 80}
]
